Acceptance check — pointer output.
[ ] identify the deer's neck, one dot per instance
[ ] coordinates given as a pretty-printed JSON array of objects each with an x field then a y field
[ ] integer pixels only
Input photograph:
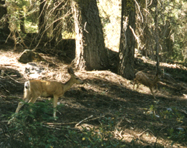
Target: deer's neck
[{"x": 68, "y": 85}]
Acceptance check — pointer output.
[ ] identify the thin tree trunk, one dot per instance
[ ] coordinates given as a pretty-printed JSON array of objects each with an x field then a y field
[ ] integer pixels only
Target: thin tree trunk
[
  {"x": 127, "y": 40},
  {"x": 57, "y": 31},
  {"x": 22, "y": 22},
  {"x": 156, "y": 37}
]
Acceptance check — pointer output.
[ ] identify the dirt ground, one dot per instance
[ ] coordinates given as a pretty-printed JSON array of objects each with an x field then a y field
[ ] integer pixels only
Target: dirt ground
[{"x": 138, "y": 115}]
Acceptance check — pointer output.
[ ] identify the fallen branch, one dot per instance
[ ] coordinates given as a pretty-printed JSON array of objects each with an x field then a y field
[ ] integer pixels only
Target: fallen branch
[
  {"x": 149, "y": 131},
  {"x": 144, "y": 132},
  {"x": 83, "y": 120},
  {"x": 50, "y": 123},
  {"x": 183, "y": 111},
  {"x": 4, "y": 88},
  {"x": 12, "y": 78}
]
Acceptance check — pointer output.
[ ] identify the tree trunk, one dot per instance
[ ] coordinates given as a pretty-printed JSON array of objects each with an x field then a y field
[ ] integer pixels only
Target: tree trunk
[
  {"x": 156, "y": 37},
  {"x": 41, "y": 26},
  {"x": 127, "y": 40},
  {"x": 68, "y": 21},
  {"x": 22, "y": 22},
  {"x": 57, "y": 27},
  {"x": 4, "y": 23},
  {"x": 90, "y": 49}
]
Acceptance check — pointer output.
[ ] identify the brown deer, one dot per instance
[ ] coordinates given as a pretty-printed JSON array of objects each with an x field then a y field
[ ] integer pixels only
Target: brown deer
[
  {"x": 36, "y": 88},
  {"x": 141, "y": 77}
]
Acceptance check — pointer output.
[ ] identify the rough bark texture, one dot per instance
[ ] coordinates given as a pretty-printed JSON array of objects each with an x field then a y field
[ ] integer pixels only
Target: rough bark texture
[
  {"x": 22, "y": 22},
  {"x": 127, "y": 40},
  {"x": 157, "y": 38},
  {"x": 90, "y": 49},
  {"x": 3, "y": 21},
  {"x": 57, "y": 27},
  {"x": 41, "y": 25}
]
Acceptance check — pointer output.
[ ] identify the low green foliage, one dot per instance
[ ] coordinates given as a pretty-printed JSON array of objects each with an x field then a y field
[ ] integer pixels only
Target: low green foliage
[
  {"x": 30, "y": 129},
  {"x": 173, "y": 115},
  {"x": 176, "y": 133}
]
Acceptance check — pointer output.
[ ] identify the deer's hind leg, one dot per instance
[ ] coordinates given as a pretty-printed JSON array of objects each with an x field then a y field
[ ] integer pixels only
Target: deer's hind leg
[
  {"x": 27, "y": 96},
  {"x": 135, "y": 83},
  {"x": 156, "y": 86},
  {"x": 138, "y": 84},
  {"x": 152, "y": 92},
  {"x": 20, "y": 104}
]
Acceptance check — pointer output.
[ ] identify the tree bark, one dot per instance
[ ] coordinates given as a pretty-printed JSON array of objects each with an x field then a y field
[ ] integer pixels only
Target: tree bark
[
  {"x": 42, "y": 24},
  {"x": 22, "y": 22},
  {"x": 127, "y": 40},
  {"x": 4, "y": 23},
  {"x": 156, "y": 37},
  {"x": 57, "y": 27},
  {"x": 90, "y": 49}
]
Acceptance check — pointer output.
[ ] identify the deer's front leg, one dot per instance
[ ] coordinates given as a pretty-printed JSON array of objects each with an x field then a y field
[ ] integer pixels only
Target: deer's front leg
[{"x": 54, "y": 105}]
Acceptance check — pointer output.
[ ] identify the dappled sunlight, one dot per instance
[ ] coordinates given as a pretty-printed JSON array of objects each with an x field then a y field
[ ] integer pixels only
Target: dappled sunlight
[
  {"x": 132, "y": 115},
  {"x": 9, "y": 59}
]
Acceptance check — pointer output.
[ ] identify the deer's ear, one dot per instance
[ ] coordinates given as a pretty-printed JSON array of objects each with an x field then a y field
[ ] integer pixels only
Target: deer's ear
[{"x": 70, "y": 70}]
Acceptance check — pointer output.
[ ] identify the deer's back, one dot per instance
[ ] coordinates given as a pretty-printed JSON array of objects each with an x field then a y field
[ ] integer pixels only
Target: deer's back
[
  {"x": 142, "y": 78},
  {"x": 46, "y": 88}
]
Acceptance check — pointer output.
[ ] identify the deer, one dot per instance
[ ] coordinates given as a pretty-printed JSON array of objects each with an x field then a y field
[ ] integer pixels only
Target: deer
[
  {"x": 43, "y": 88},
  {"x": 142, "y": 78}
]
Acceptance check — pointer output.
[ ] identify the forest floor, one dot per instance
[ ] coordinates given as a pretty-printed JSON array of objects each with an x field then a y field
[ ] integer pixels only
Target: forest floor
[{"x": 138, "y": 118}]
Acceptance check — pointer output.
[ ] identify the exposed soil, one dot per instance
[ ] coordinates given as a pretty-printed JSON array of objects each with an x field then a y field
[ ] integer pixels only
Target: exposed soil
[{"x": 137, "y": 114}]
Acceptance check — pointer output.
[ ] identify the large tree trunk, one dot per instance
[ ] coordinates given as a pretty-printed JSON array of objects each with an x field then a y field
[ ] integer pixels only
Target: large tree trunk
[
  {"x": 57, "y": 27},
  {"x": 127, "y": 40},
  {"x": 90, "y": 49},
  {"x": 42, "y": 23},
  {"x": 4, "y": 23}
]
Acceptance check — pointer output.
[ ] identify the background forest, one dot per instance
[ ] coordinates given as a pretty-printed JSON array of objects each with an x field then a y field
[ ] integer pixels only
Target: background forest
[
  {"x": 106, "y": 42},
  {"x": 43, "y": 18}
]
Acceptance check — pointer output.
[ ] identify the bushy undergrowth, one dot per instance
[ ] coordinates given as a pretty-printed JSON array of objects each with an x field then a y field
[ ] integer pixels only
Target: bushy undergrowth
[
  {"x": 177, "y": 132},
  {"x": 34, "y": 127},
  {"x": 30, "y": 129}
]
